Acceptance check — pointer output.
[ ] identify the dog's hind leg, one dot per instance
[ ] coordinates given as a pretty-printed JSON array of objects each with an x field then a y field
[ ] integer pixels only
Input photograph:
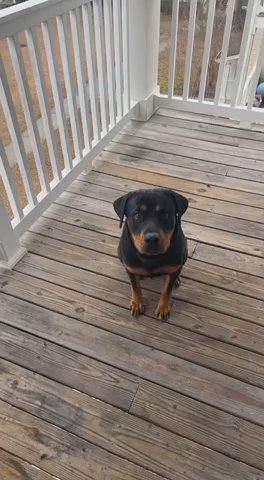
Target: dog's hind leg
[{"x": 177, "y": 282}]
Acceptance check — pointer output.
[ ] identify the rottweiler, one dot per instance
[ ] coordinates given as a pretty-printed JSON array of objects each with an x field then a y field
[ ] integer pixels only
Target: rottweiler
[{"x": 152, "y": 242}]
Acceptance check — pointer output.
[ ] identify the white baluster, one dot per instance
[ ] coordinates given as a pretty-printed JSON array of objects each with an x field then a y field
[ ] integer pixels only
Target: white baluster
[
  {"x": 189, "y": 49},
  {"x": 109, "y": 42},
  {"x": 173, "y": 47},
  {"x": 118, "y": 56},
  {"x": 10, "y": 249},
  {"x": 79, "y": 57},
  {"x": 91, "y": 66},
  {"x": 64, "y": 36},
  {"x": 100, "y": 54}
]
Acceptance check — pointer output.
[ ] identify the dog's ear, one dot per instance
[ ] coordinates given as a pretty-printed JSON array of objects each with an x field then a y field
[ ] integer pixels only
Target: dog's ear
[
  {"x": 181, "y": 203},
  {"x": 120, "y": 207}
]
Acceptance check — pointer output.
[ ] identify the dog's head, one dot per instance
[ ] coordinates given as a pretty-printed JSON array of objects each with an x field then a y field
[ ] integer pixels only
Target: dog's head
[{"x": 151, "y": 217}]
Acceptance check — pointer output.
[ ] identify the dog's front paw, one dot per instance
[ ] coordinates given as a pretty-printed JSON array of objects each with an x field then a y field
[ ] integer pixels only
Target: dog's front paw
[
  {"x": 163, "y": 311},
  {"x": 136, "y": 308}
]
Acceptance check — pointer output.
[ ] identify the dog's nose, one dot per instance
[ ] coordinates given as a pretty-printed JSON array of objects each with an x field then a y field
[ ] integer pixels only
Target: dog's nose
[{"x": 152, "y": 239}]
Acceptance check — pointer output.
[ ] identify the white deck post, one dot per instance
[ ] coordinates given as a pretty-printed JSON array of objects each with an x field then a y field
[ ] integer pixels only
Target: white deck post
[
  {"x": 144, "y": 24},
  {"x": 10, "y": 249}
]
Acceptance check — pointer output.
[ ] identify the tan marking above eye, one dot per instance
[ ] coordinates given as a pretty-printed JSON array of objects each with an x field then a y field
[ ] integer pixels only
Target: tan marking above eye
[
  {"x": 143, "y": 208},
  {"x": 158, "y": 208}
]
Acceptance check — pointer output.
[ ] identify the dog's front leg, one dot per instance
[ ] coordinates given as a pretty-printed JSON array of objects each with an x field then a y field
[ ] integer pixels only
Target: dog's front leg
[
  {"x": 137, "y": 304},
  {"x": 163, "y": 309}
]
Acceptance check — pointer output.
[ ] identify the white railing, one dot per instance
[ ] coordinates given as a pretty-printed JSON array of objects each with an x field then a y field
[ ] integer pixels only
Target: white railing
[
  {"x": 72, "y": 73},
  {"x": 243, "y": 112}
]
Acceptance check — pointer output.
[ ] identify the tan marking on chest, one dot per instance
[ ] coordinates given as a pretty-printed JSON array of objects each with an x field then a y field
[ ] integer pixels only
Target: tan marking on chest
[
  {"x": 166, "y": 270},
  {"x": 137, "y": 271}
]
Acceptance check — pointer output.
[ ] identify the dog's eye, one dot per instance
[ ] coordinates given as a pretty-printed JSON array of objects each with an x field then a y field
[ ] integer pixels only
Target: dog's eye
[
  {"x": 165, "y": 215},
  {"x": 138, "y": 216}
]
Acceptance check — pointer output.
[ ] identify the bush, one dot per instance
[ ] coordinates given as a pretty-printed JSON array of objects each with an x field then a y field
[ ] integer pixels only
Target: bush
[{"x": 166, "y": 6}]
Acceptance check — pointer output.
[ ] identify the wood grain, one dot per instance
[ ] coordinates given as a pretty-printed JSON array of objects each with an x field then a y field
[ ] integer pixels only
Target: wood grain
[
  {"x": 75, "y": 235},
  {"x": 225, "y": 258},
  {"x": 171, "y": 410},
  {"x": 13, "y": 468},
  {"x": 61, "y": 453},
  {"x": 195, "y": 292},
  {"x": 119, "y": 433},
  {"x": 197, "y": 231},
  {"x": 210, "y": 141},
  {"x": 175, "y": 340},
  {"x": 157, "y": 151},
  {"x": 173, "y": 135},
  {"x": 203, "y": 384},
  {"x": 247, "y": 174},
  {"x": 214, "y": 125},
  {"x": 225, "y": 278},
  {"x": 196, "y": 318},
  {"x": 154, "y": 151},
  {"x": 86, "y": 390},
  {"x": 116, "y": 185},
  {"x": 202, "y": 188},
  {"x": 194, "y": 214},
  {"x": 210, "y": 427},
  {"x": 68, "y": 367},
  {"x": 211, "y": 132},
  {"x": 181, "y": 172}
]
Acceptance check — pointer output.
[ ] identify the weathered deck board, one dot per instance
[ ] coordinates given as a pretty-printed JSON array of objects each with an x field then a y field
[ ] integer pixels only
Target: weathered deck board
[
  {"x": 189, "y": 414},
  {"x": 86, "y": 391},
  {"x": 222, "y": 231},
  {"x": 184, "y": 173},
  {"x": 207, "y": 123},
  {"x": 214, "y": 354},
  {"x": 202, "y": 188},
  {"x": 224, "y": 134},
  {"x": 13, "y": 468},
  {"x": 183, "y": 415},
  {"x": 61, "y": 453},
  {"x": 200, "y": 211},
  {"x": 225, "y": 154},
  {"x": 238, "y": 305},
  {"x": 206, "y": 385},
  {"x": 214, "y": 325},
  {"x": 95, "y": 187},
  {"x": 117, "y": 432},
  {"x": 246, "y": 284},
  {"x": 68, "y": 367}
]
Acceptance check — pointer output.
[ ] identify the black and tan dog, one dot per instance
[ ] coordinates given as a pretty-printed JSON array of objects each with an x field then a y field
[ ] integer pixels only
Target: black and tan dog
[{"x": 152, "y": 242}]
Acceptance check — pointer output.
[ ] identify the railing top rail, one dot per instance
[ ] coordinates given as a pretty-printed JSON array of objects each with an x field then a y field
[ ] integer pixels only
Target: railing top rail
[{"x": 25, "y": 15}]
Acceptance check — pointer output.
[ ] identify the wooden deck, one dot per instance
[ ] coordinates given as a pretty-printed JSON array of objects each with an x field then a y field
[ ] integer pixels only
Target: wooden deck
[{"x": 86, "y": 391}]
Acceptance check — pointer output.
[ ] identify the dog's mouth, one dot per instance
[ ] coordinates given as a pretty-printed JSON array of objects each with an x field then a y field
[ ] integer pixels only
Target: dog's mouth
[
  {"x": 151, "y": 251},
  {"x": 151, "y": 244}
]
